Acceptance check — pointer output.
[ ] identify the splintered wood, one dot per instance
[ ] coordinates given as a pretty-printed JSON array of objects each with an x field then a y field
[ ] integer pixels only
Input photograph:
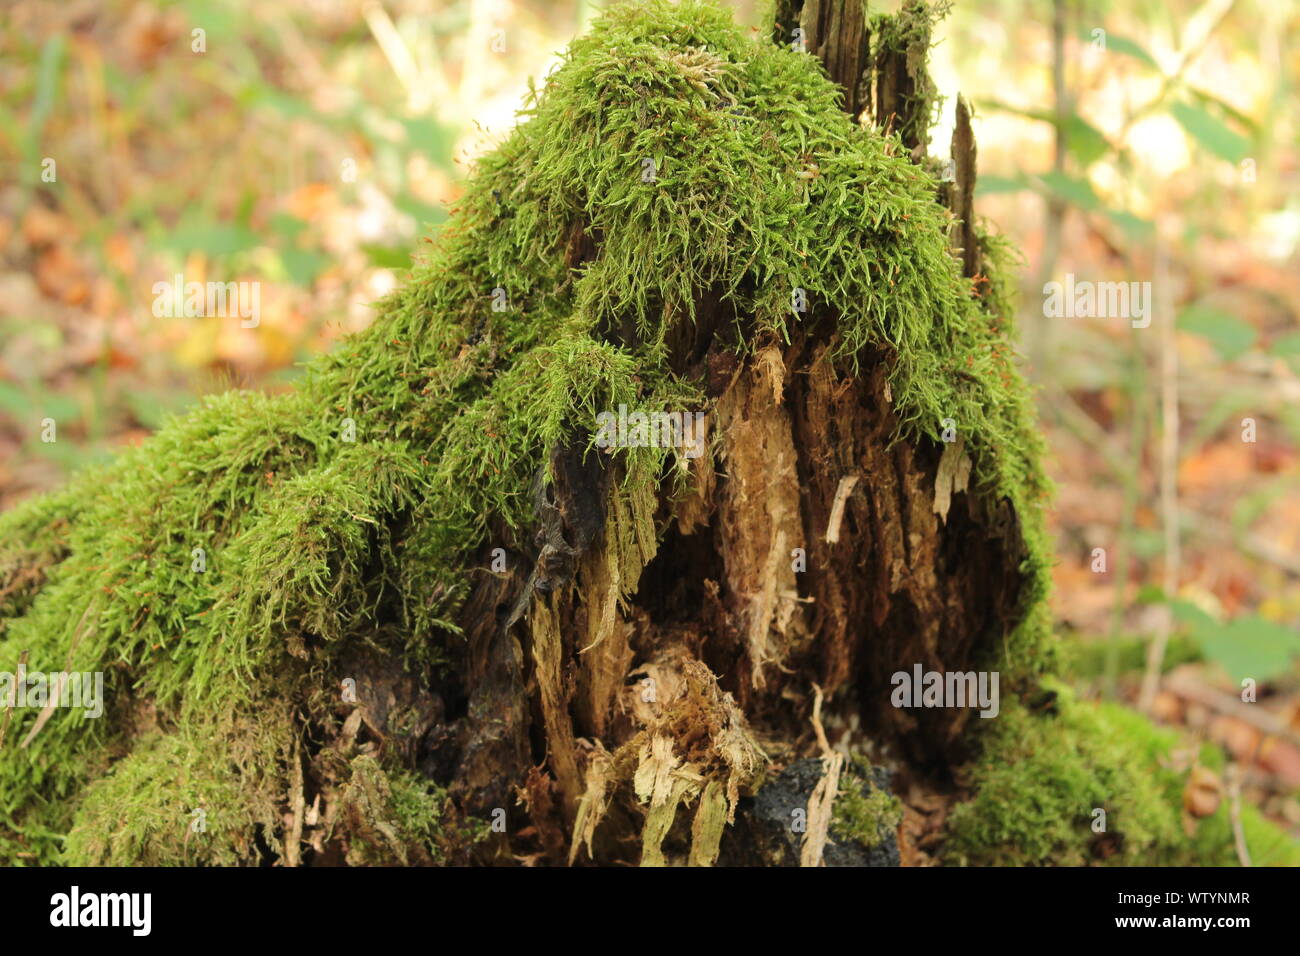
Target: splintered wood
[{"x": 759, "y": 510}]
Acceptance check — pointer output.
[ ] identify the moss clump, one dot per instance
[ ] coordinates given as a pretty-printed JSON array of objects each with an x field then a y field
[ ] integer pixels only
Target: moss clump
[
  {"x": 399, "y": 818},
  {"x": 1214, "y": 843},
  {"x": 1088, "y": 658},
  {"x": 1040, "y": 779},
  {"x": 179, "y": 799},
  {"x": 863, "y": 812},
  {"x": 244, "y": 551}
]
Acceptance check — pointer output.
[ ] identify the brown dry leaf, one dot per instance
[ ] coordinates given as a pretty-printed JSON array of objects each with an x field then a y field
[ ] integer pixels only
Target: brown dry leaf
[
  {"x": 120, "y": 254},
  {"x": 45, "y": 227},
  {"x": 60, "y": 276},
  {"x": 148, "y": 34},
  {"x": 1221, "y": 465},
  {"x": 1282, "y": 759},
  {"x": 1203, "y": 792},
  {"x": 1167, "y": 708},
  {"x": 1239, "y": 738},
  {"x": 310, "y": 201}
]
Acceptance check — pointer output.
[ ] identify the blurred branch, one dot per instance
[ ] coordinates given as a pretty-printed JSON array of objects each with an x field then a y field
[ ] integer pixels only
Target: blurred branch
[
  {"x": 1202, "y": 26},
  {"x": 1131, "y": 474},
  {"x": 1189, "y": 688},
  {"x": 423, "y": 87},
  {"x": 1168, "y": 473},
  {"x": 1056, "y": 206},
  {"x": 1233, "y": 781},
  {"x": 1252, "y": 544}
]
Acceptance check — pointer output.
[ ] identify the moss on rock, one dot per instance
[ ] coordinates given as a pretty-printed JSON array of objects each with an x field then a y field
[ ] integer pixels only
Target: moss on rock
[{"x": 865, "y": 812}]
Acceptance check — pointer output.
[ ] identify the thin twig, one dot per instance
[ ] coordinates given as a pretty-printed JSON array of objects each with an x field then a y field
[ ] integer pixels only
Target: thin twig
[
  {"x": 818, "y": 729},
  {"x": 1168, "y": 475},
  {"x": 837, "y": 507},
  {"x": 1253, "y": 714},
  {"x": 1234, "y": 808},
  {"x": 20, "y": 674}
]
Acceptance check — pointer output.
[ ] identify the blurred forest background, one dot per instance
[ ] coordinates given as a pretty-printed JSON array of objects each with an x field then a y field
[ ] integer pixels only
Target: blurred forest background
[{"x": 313, "y": 145}]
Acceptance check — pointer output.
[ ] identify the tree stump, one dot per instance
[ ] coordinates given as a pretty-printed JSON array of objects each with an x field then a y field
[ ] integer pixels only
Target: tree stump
[{"x": 698, "y": 425}]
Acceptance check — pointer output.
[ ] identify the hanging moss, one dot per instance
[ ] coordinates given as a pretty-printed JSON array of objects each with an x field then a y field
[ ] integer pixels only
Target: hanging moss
[{"x": 181, "y": 799}]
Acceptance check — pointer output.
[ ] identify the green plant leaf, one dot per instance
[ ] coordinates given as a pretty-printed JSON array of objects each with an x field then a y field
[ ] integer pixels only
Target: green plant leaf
[
  {"x": 1188, "y": 613},
  {"x": 302, "y": 266},
  {"x": 387, "y": 257},
  {"x": 1134, "y": 227},
  {"x": 1286, "y": 346},
  {"x": 1073, "y": 190},
  {"x": 210, "y": 238},
  {"x": 1230, "y": 336},
  {"x": 1122, "y": 45},
  {"x": 991, "y": 185},
  {"x": 1226, "y": 108},
  {"x": 1210, "y": 132},
  {"x": 1084, "y": 141},
  {"x": 429, "y": 138},
  {"x": 1250, "y": 647}
]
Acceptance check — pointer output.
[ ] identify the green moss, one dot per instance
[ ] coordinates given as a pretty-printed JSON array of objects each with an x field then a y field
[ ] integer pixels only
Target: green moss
[
  {"x": 1088, "y": 658},
  {"x": 1214, "y": 844},
  {"x": 863, "y": 813},
  {"x": 314, "y": 543},
  {"x": 1041, "y": 778},
  {"x": 399, "y": 818},
  {"x": 182, "y": 799}
]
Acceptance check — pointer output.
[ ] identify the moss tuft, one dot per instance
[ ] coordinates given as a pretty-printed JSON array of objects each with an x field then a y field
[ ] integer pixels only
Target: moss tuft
[
  {"x": 1041, "y": 778},
  {"x": 398, "y": 818},
  {"x": 863, "y": 812}
]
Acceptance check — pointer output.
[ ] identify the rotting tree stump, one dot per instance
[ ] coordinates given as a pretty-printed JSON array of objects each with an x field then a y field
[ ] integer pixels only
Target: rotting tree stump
[
  {"x": 810, "y": 556},
  {"x": 551, "y": 650}
]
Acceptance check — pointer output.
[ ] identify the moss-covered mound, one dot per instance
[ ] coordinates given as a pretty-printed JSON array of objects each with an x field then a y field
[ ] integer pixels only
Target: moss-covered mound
[{"x": 227, "y": 575}]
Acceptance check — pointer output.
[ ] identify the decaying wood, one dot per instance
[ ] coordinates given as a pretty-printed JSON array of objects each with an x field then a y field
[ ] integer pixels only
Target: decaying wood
[
  {"x": 959, "y": 194},
  {"x": 836, "y": 33},
  {"x": 621, "y": 673}
]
